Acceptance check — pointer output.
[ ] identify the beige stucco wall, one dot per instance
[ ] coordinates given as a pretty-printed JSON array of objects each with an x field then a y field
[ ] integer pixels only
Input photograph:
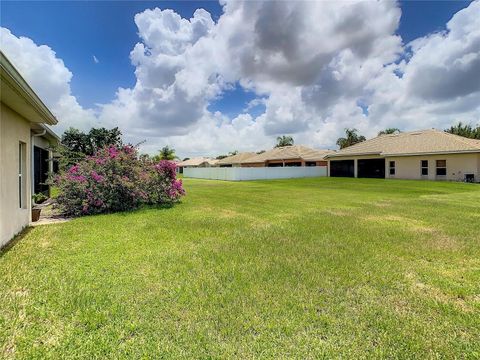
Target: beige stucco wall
[
  {"x": 409, "y": 167},
  {"x": 13, "y": 129},
  {"x": 41, "y": 142}
]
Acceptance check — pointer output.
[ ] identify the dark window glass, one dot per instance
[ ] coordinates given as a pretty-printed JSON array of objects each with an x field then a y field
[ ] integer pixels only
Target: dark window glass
[
  {"x": 441, "y": 167},
  {"x": 441, "y": 171},
  {"x": 391, "y": 165},
  {"x": 424, "y": 167}
]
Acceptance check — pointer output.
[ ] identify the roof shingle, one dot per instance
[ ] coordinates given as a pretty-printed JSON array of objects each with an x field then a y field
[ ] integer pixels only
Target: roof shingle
[
  {"x": 288, "y": 153},
  {"x": 236, "y": 159}
]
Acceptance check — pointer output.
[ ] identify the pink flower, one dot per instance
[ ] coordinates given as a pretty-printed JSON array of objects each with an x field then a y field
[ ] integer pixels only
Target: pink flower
[
  {"x": 128, "y": 149},
  {"x": 112, "y": 152},
  {"x": 96, "y": 176}
]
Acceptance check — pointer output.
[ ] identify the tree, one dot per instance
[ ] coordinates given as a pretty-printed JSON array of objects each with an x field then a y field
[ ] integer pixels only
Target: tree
[
  {"x": 388, "y": 131},
  {"x": 165, "y": 153},
  {"x": 351, "y": 138},
  {"x": 76, "y": 145},
  {"x": 101, "y": 138},
  {"x": 465, "y": 130},
  {"x": 231, "y": 153},
  {"x": 284, "y": 141}
]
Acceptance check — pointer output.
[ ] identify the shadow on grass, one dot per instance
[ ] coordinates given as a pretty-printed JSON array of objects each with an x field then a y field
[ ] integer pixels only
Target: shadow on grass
[
  {"x": 11, "y": 244},
  {"x": 129, "y": 212},
  {"x": 146, "y": 207}
]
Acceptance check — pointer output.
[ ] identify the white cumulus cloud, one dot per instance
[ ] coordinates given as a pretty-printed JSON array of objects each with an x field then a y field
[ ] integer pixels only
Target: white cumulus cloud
[
  {"x": 315, "y": 67},
  {"x": 49, "y": 77}
]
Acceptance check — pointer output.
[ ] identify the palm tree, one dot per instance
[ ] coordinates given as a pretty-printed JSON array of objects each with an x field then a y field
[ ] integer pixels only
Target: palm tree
[
  {"x": 165, "y": 153},
  {"x": 351, "y": 138},
  {"x": 388, "y": 131},
  {"x": 465, "y": 130},
  {"x": 284, "y": 141}
]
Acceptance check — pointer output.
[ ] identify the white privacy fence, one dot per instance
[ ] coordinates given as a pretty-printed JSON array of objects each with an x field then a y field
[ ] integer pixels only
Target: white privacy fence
[{"x": 254, "y": 173}]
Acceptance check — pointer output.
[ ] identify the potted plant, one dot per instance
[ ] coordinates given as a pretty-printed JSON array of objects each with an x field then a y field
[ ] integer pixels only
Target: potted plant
[{"x": 36, "y": 210}]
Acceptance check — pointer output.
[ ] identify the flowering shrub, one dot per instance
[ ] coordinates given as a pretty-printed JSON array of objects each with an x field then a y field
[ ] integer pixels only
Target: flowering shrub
[
  {"x": 115, "y": 179},
  {"x": 162, "y": 183}
]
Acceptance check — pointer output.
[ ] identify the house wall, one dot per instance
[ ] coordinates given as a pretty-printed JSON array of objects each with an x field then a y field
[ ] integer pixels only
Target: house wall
[
  {"x": 409, "y": 167},
  {"x": 41, "y": 142},
  {"x": 13, "y": 129}
]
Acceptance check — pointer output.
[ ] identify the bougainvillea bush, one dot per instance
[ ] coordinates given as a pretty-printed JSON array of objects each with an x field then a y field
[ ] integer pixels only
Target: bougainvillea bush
[{"x": 115, "y": 179}]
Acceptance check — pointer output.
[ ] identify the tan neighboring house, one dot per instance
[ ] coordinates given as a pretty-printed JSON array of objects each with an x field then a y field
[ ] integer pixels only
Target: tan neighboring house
[
  {"x": 196, "y": 162},
  {"x": 295, "y": 155},
  {"x": 23, "y": 117},
  {"x": 235, "y": 160},
  {"x": 426, "y": 154}
]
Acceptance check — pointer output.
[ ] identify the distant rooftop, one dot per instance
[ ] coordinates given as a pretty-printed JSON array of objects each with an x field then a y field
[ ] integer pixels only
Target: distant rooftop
[
  {"x": 236, "y": 159},
  {"x": 410, "y": 143},
  {"x": 290, "y": 152},
  {"x": 197, "y": 161}
]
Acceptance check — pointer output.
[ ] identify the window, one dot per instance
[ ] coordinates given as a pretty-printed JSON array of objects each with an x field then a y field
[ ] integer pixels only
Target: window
[
  {"x": 21, "y": 174},
  {"x": 424, "y": 166},
  {"x": 310, "y": 163},
  {"x": 391, "y": 167},
  {"x": 295, "y": 163},
  {"x": 441, "y": 167}
]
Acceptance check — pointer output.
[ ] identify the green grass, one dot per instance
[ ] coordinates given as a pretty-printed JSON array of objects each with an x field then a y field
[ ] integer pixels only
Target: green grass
[{"x": 305, "y": 268}]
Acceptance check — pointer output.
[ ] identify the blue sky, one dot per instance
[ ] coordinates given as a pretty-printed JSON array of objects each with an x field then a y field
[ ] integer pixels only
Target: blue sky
[{"x": 78, "y": 30}]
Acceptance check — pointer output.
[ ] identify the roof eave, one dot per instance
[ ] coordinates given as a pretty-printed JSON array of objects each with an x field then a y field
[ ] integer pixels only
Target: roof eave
[
  {"x": 12, "y": 78},
  {"x": 432, "y": 153},
  {"x": 353, "y": 154}
]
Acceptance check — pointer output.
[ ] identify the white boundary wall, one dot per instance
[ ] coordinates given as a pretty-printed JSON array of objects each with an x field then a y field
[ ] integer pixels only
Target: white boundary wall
[{"x": 254, "y": 173}]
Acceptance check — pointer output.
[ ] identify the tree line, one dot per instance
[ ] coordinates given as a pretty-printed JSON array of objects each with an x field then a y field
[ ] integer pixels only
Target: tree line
[{"x": 77, "y": 145}]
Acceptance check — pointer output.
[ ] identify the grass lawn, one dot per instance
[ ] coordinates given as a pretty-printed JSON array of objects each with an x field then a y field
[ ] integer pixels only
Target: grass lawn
[{"x": 268, "y": 269}]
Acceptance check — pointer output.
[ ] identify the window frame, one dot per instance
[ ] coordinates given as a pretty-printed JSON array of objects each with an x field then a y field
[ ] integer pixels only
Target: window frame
[
  {"x": 423, "y": 167},
  {"x": 392, "y": 167},
  {"x": 22, "y": 160},
  {"x": 437, "y": 167}
]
